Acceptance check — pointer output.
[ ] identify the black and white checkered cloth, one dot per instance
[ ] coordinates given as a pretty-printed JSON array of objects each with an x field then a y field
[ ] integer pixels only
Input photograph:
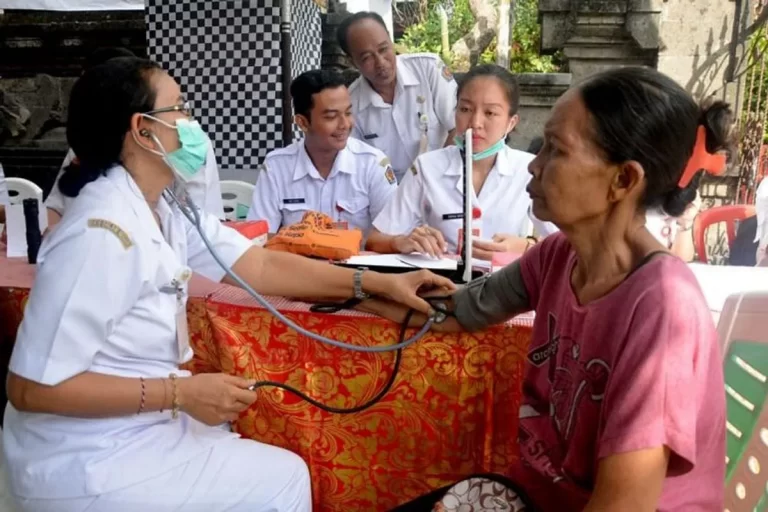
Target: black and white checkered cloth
[{"x": 226, "y": 56}]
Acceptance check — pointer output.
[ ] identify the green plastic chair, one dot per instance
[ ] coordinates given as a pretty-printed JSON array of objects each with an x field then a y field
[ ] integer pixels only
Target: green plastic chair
[{"x": 743, "y": 329}]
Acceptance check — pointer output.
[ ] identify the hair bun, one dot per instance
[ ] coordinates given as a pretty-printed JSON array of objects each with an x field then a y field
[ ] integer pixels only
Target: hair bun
[{"x": 718, "y": 120}]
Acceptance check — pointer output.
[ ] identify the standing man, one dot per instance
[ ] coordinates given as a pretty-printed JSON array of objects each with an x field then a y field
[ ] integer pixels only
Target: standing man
[
  {"x": 405, "y": 104},
  {"x": 326, "y": 171}
]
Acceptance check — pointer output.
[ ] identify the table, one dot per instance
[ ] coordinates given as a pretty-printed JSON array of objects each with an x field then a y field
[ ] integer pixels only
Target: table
[{"x": 452, "y": 410}]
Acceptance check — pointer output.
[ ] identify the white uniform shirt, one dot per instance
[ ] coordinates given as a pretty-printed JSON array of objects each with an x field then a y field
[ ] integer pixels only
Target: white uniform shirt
[
  {"x": 101, "y": 303},
  {"x": 761, "y": 207},
  {"x": 425, "y": 86},
  {"x": 356, "y": 190},
  {"x": 432, "y": 194},
  {"x": 203, "y": 188}
]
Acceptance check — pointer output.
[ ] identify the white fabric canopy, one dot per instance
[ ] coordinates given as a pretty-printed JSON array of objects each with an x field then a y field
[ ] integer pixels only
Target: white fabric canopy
[{"x": 73, "y": 5}]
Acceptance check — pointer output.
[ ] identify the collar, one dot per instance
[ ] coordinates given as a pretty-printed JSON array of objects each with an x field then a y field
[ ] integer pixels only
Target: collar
[
  {"x": 131, "y": 192},
  {"x": 405, "y": 78},
  {"x": 502, "y": 165},
  {"x": 305, "y": 167}
]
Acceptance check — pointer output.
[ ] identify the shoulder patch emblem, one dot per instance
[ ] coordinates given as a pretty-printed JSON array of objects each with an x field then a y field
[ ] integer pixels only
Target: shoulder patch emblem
[
  {"x": 390, "y": 175},
  {"x": 414, "y": 171},
  {"x": 384, "y": 162},
  {"x": 113, "y": 228},
  {"x": 447, "y": 73}
]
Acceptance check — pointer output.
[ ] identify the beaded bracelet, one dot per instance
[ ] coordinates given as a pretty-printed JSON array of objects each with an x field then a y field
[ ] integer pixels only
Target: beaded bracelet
[
  {"x": 143, "y": 395},
  {"x": 175, "y": 399}
]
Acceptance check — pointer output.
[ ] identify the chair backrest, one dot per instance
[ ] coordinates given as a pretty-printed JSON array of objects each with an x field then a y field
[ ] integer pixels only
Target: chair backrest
[
  {"x": 20, "y": 189},
  {"x": 236, "y": 196},
  {"x": 743, "y": 331},
  {"x": 728, "y": 214}
]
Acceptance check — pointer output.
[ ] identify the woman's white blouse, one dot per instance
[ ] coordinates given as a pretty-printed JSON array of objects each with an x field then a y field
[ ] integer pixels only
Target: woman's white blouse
[
  {"x": 431, "y": 193},
  {"x": 104, "y": 301}
]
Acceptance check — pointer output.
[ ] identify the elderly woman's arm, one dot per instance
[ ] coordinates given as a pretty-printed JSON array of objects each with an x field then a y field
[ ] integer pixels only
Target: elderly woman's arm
[
  {"x": 630, "y": 482},
  {"x": 486, "y": 301}
]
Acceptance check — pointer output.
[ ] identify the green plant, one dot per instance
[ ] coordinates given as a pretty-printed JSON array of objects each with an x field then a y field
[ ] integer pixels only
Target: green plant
[{"x": 524, "y": 53}]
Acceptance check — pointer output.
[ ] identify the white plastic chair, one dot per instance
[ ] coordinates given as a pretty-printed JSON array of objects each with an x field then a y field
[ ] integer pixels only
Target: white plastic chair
[
  {"x": 20, "y": 189},
  {"x": 236, "y": 196}
]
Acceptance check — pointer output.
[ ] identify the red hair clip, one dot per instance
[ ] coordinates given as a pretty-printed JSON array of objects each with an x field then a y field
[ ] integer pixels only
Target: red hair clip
[{"x": 701, "y": 159}]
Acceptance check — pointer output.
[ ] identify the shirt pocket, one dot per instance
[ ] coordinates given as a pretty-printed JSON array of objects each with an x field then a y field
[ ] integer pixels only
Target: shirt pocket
[
  {"x": 293, "y": 212},
  {"x": 355, "y": 212}
]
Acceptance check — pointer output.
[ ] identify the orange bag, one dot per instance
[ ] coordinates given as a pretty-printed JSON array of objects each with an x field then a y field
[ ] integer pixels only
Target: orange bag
[{"x": 315, "y": 236}]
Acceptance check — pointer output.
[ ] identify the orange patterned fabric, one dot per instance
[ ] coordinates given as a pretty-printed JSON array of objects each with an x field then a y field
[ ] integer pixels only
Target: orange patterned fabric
[{"x": 451, "y": 412}]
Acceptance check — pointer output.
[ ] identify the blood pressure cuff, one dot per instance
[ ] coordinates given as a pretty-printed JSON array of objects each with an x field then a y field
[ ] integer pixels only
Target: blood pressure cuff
[
  {"x": 315, "y": 236},
  {"x": 492, "y": 299}
]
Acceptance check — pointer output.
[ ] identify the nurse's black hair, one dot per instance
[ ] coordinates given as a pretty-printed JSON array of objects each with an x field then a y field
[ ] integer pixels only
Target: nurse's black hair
[
  {"x": 342, "y": 32},
  {"x": 506, "y": 79},
  {"x": 101, "y": 105},
  {"x": 641, "y": 115},
  {"x": 307, "y": 84},
  {"x": 102, "y": 55}
]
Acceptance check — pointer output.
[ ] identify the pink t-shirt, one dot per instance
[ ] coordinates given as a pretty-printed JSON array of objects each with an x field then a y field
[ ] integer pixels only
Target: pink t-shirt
[{"x": 638, "y": 368}]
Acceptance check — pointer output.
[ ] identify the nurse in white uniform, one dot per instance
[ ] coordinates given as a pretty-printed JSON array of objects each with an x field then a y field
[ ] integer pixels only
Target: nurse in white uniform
[
  {"x": 426, "y": 215},
  {"x": 100, "y": 417},
  {"x": 404, "y": 105},
  {"x": 327, "y": 171}
]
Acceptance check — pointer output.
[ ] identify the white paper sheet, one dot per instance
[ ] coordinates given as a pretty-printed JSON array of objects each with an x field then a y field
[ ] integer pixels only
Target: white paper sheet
[
  {"x": 17, "y": 228},
  {"x": 73, "y": 5},
  {"x": 402, "y": 260}
]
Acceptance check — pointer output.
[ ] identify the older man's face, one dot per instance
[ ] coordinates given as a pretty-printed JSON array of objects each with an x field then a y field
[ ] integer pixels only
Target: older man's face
[{"x": 372, "y": 52}]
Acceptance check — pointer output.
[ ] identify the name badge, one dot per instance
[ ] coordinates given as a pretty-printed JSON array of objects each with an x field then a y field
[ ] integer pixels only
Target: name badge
[
  {"x": 178, "y": 287},
  {"x": 295, "y": 200},
  {"x": 453, "y": 216},
  {"x": 371, "y": 136}
]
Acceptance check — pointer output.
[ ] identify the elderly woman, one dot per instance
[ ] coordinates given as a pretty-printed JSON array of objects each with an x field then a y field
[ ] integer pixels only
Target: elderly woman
[{"x": 623, "y": 405}]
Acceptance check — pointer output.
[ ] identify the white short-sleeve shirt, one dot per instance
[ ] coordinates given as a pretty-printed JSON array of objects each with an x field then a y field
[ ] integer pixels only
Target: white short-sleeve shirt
[
  {"x": 432, "y": 194},
  {"x": 358, "y": 187},
  {"x": 104, "y": 301},
  {"x": 425, "y": 87},
  {"x": 203, "y": 188}
]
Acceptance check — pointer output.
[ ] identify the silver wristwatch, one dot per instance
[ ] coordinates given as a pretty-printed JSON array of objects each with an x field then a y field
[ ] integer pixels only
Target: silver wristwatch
[{"x": 357, "y": 280}]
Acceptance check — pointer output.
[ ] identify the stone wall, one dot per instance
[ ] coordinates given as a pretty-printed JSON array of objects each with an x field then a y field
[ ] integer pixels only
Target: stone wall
[
  {"x": 538, "y": 93},
  {"x": 690, "y": 40},
  {"x": 41, "y": 55}
]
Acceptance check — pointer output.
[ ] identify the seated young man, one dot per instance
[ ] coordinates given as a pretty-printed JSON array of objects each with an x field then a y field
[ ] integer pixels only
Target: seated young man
[{"x": 326, "y": 171}]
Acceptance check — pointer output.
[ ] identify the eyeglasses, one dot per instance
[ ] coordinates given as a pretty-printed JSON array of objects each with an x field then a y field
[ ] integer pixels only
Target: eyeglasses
[{"x": 185, "y": 108}]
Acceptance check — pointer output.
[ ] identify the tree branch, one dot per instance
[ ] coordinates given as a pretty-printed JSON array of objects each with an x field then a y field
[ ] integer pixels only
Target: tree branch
[{"x": 468, "y": 49}]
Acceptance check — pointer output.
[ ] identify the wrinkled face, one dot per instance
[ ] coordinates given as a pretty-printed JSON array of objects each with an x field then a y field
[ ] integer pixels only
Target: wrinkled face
[
  {"x": 483, "y": 105},
  {"x": 572, "y": 179},
  {"x": 330, "y": 121},
  {"x": 372, "y": 53}
]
